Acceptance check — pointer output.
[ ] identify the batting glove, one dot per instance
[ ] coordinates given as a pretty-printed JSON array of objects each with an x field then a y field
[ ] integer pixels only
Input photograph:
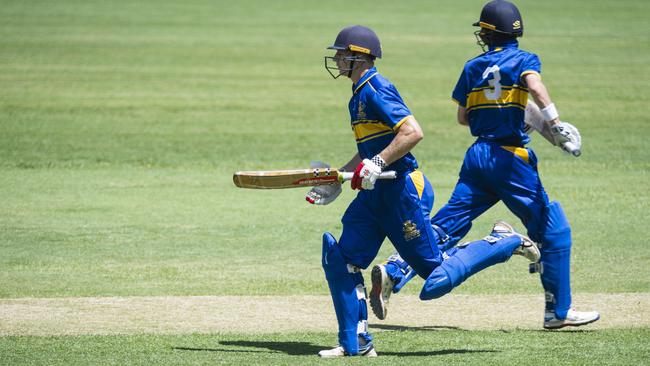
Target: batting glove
[
  {"x": 567, "y": 137},
  {"x": 367, "y": 172},
  {"x": 560, "y": 134},
  {"x": 323, "y": 195}
]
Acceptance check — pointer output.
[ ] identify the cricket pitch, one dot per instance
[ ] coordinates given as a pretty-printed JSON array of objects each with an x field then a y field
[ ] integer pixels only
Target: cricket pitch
[{"x": 270, "y": 314}]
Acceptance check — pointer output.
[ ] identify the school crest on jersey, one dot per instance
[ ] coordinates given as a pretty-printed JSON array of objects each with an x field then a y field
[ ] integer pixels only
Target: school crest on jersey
[
  {"x": 361, "y": 112},
  {"x": 410, "y": 230}
]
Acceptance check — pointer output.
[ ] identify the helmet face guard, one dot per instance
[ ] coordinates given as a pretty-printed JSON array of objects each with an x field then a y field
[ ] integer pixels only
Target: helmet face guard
[
  {"x": 482, "y": 39},
  {"x": 487, "y": 37},
  {"x": 332, "y": 66}
]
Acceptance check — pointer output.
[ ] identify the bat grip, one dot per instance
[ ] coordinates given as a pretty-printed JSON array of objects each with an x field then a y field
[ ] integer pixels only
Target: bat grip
[
  {"x": 390, "y": 174},
  {"x": 572, "y": 149}
]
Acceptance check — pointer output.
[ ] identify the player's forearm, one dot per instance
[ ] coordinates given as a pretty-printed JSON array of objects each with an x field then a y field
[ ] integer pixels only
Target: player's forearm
[
  {"x": 535, "y": 119},
  {"x": 559, "y": 133},
  {"x": 540, "y": 94},
  {"x": 408, "y": 135},
  {"x": 352, "y": 164},
  {"x": 546, "y": 133}
]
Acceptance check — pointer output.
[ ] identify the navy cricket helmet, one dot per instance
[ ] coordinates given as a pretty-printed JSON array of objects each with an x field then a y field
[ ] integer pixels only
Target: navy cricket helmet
[
  {"x": 500, "y": 22},
  {"x": 355, "y": 38},
  {"x": 358, "y": 38},
  {"x": 502, "y": 17}
]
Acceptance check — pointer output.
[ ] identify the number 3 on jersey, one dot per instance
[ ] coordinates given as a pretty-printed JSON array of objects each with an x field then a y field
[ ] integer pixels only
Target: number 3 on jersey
[{"x": 495, "y": 91}]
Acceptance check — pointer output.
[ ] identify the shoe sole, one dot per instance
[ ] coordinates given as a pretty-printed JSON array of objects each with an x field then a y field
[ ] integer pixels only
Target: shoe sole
[
  {"x": 503, "y": 223},
  {"x": 563, "y": 325},
  {"x": 369, "y": 352},
  {"x": 531, "y": 253},
  {"x": 376, "y": 297}
]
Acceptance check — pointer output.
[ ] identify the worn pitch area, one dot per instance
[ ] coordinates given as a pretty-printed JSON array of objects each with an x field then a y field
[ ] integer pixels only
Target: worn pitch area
[{"x": 267, "y": 314}]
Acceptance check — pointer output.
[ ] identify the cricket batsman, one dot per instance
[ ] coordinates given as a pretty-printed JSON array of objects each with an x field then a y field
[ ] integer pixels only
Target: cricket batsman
[
  {"x": 492, "y": 95},
  {"x": 385, "y": 132}
]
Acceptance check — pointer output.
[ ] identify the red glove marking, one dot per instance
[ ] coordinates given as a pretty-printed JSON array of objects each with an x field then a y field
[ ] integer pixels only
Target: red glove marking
[{"x": 355, "y": 183}]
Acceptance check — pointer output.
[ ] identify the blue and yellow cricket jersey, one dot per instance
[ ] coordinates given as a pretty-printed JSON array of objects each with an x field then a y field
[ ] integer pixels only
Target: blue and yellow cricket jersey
[
  {"x": 492, "y": 89},
  {"x": 377, "y": 111}
]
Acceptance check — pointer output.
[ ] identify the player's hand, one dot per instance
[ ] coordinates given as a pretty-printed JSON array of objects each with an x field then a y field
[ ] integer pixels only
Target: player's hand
[
  {"x": 367, "y": 172},
  {"x": 561, "y": 132},
  {"x": 567, "y": 137},
  {"x": 323, "y": 195}
]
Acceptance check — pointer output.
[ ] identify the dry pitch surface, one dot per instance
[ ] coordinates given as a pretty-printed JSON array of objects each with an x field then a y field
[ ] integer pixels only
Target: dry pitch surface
[{"x": 268, "y": 314}]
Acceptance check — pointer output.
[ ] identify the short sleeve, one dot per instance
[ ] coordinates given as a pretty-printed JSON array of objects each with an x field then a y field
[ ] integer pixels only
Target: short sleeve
[
  {"x": 388, "y": 104},
  {"x": 531, "y": 65},
  {"x": 459, "y": 95}
]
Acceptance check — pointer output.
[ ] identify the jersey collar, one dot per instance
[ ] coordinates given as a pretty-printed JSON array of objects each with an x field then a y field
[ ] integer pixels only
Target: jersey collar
[
  {"x": 364, "y": 79},
  {"x": 499, "y": 47}
]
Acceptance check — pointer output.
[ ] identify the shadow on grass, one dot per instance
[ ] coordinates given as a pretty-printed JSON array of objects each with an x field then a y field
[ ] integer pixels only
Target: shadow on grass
[
  {"x": 306, "y": 349},
  {"x": 402, "y": 328},
  {"x": 290, "y": 348},
  {"x": 441, "y": 352}
]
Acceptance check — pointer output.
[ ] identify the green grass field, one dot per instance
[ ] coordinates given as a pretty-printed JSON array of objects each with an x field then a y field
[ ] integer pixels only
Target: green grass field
[
  {"x": 121, "y": 124},
  {"x": 402, "y": 348}
]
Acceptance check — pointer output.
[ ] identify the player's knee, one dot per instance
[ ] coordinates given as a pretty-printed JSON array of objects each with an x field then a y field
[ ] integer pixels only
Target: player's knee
[
  {"x": 437, "y": 285},
  {"x": 334, "y": 264},
  {"x": 331, "y": 253},
  {"x": 329, "y": 242},
  {"x": 557, "y": 231}
]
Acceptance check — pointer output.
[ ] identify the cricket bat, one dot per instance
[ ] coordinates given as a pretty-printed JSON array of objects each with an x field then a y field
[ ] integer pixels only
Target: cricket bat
[{"x": 276, "y": 179}]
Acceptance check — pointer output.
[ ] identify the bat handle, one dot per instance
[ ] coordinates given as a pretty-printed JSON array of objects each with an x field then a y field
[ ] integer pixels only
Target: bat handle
[
  {"x": 572, "y": 149},
  {"x": 390, "y": 174}
]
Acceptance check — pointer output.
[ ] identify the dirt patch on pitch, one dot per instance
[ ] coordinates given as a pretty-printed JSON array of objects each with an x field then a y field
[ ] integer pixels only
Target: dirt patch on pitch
[{"x": 266, "y": 314}]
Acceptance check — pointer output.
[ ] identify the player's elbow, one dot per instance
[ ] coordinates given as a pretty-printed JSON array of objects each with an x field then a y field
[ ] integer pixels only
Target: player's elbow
[
  {"x": 536, "y": 90},
  {"x": 412, "y": 130},
  {"x": 461, "y": 116},
  {"x": 535, "y": 85},
  {"x": 417, "y": 135}
]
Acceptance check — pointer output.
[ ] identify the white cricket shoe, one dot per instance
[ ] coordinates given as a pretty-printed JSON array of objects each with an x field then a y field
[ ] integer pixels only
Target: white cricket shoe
[
  {"x": 573, "y": 319},
  {"x": 528, "y": 248},
  {"x": 382, "y": 287},
  {"x": 338, "y": 351}
]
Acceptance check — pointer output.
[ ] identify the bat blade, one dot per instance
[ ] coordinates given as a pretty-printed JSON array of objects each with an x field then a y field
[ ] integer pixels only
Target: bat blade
[{"x": 278, "y": 179}]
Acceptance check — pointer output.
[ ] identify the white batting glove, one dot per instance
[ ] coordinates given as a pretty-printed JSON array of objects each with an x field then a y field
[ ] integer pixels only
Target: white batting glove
[
  {"x": 567, "y": 137},
  {"x": 560, "y": 134},
  {"x": 367, "y": 172},
  {"x": 323, "y": 195}
]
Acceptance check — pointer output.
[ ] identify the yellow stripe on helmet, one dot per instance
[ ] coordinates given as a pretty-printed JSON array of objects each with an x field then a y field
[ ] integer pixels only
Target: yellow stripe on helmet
[
  {"x": 359, "y": 49},
  {"x": 487, "y": 25}
]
